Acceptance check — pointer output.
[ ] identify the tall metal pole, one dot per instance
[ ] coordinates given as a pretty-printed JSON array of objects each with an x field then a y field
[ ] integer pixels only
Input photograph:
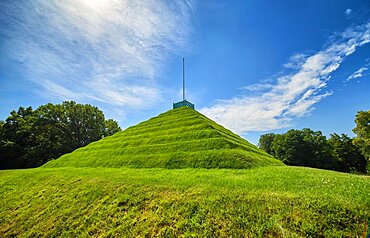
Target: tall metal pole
[{"x": 183, "y": 79}]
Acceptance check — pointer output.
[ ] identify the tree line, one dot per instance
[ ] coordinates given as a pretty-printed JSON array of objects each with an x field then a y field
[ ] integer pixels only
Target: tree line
[
  {"x": 30, "y": 138},
  {"x": 312, "y": 149}
]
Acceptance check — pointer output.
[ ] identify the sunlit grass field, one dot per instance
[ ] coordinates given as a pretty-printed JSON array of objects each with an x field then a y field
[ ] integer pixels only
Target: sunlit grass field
[
  {"x": 275, "y": 201},
  {"x": 180, "y": 175}
]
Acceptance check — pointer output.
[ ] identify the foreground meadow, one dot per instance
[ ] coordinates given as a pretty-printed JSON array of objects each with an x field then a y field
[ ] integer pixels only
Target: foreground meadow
[{"x": 276, "y": 201}]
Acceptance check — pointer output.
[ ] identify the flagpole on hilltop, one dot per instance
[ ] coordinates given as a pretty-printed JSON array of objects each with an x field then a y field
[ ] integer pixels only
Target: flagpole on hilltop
[
  {"x": 183, "y": 103},
  {"x": 183, "y": 79}
]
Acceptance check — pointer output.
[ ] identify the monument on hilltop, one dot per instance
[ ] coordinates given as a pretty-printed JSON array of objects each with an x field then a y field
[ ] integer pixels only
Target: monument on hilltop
[
  {"x": 184, "y": 102},
  {"x": 180, "y": 138}
]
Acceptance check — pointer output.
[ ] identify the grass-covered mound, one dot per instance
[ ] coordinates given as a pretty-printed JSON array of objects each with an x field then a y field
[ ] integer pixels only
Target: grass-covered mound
[
  {"x": 271, "y": 201},
  {"x": 179, "y": 138}
]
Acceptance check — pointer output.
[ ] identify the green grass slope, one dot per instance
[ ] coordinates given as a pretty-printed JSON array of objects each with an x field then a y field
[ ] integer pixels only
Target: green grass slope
[
  {"x": 179, "y": 138},
  {"x": 270, "y": 201}
]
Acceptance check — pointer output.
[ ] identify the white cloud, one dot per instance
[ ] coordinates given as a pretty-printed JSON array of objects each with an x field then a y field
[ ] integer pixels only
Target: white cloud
[
  {"x": 295, "y": 61},
  {"x": 109, "y": 51},
  {"x": 348, "y": 11},
  {"x": 291, "y": 95},
  {"x": 358, "y": 73},
  {"x": 259, "y": 87}
]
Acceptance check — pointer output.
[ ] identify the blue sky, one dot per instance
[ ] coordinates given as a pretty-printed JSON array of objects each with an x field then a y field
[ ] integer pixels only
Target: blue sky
[{"x": 253, "y": 66}]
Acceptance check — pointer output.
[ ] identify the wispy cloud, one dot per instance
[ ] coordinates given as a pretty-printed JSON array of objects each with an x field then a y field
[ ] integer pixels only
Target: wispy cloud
[
  {"x": 358, "y": 73},
  {"x": 348, "y": 11},
  {"x": 293, "y": 94},
  {"x": 258, "y": 87},
  {"x": 107, "y": 51}
]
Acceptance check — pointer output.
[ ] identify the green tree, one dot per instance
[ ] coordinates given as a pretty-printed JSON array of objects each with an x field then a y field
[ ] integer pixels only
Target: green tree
[
  {"x": 362, "y": 131},
  {"x": 347, "y": 155},
  {"x": 85, "y": 123},
  {"x": 318, "y": 154},
  {"x": 111, "y": 127},
  {"x": 17, "y": 138},
  {"x": 265, "y": 142},
  {"x": 288, "y": 147},
  {"x": 31, "y": 138},
  {"x": 303, "y": 148}
]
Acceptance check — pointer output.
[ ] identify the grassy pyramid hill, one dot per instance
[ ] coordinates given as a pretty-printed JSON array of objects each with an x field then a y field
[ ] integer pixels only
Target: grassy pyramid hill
[{"x": 178, "y": 138}]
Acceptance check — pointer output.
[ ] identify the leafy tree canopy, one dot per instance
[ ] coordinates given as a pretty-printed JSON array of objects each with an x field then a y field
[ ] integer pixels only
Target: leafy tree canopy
[
  {"x": 30, "y": 138},
  {"x": 347, "y": 155},
  {"x": 265, "y": 142},
  {"x": 362, "y": 131},
  {"x": 111, "y": 127},
  {"x": 311, "y": 148},
  {"x": 302, "y": 147}
]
